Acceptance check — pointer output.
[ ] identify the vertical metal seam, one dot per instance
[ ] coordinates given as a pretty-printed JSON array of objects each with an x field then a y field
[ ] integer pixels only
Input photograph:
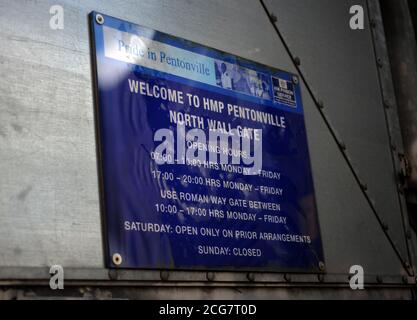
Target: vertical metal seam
[
  {"x": 334, "y": 135},
  {"x": 390, "y": 117}
]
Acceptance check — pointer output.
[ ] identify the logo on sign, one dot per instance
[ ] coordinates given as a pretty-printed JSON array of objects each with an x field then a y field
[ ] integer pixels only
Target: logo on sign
[{"x": 284, "y": 92}]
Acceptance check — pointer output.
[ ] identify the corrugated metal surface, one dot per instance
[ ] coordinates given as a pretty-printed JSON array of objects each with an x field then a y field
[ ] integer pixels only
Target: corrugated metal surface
[{"x": 49, "y": 201}]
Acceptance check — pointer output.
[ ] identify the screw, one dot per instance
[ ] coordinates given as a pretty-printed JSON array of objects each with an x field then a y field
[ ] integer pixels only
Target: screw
[
  {"x": 385, "y": 226},
  {"x": 210, "y": 276},
  {"x": 99, "y": 19},
  {"x": 297, "y": 61},
  {"x": 342, "y": 145},
  {"x": 295, "y": 79},
  {"x": 164, "y": 275},
  {"x": 364, "y": 186},
  {"x": 250, "y": 276},
  {"x": 117, "y": 259},
  {"x": 322, "y": 266},
  {"x": 273, "y": 18}
]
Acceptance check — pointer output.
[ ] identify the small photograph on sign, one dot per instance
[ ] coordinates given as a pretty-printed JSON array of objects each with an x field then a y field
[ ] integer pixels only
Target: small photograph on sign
[
  {"x": 233, "y": 77},
  {"x": 284, "y": 92}
]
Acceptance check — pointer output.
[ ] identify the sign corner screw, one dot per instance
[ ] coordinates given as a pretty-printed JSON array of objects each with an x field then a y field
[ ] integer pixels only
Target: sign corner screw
[
  {"x": 117, "y": 259},
  {"x": 99, "y": 18}
]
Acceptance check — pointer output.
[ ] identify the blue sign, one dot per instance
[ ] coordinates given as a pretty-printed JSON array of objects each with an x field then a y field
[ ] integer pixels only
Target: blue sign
[{"x": 203, "y": 156}]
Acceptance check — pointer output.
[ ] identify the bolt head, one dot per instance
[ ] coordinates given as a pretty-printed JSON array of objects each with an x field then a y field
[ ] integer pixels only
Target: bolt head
[
  {"x": 117, "y": 259},
  {"x": 99, "y": 19}
]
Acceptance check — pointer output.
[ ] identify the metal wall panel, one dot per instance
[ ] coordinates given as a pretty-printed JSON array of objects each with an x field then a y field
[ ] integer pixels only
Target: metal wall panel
[
  {"x": 340, "y": 67},
  {"x": 49, "y": 192},
  {"x": 49, "y": 201}
]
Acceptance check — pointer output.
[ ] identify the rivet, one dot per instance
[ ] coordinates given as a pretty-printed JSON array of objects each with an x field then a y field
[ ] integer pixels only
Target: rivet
[
  {"x": 287, "y": 277},
  {"x": 408, "y": 234},
  {"x": 320, "y": 104},
  {"x": 210, "y": 276},
  {"x": 400, "y": 190},
  {"x": 99, "y": 19},
  {"x": 250, "y": 276},
  {"x": 164, "y": 275},
  {"x": 117, "y": 259},
  {"x": 113, "y": 274},
  {"x": 297, "y": 61},
  {"x": 322, "y": 266},
  {"x": 373, "y": 23}
]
